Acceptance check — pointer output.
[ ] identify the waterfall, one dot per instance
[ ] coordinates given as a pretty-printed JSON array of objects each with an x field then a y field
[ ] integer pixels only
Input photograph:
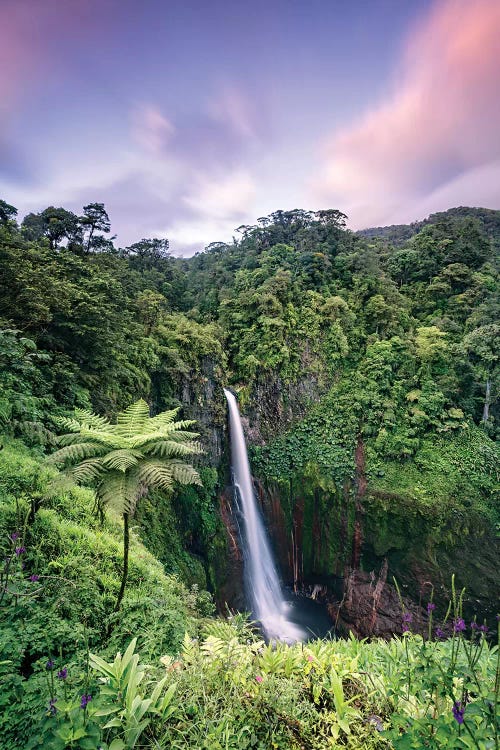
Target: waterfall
[{"x": 261, "y": 576}]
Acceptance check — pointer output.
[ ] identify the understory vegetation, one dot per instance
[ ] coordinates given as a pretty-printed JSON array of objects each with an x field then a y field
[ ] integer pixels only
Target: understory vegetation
[{"x": 366, "y": 367}]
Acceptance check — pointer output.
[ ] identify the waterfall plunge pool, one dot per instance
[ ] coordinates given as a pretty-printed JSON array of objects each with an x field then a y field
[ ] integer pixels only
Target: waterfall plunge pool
[{"x": 304, "y": 619}]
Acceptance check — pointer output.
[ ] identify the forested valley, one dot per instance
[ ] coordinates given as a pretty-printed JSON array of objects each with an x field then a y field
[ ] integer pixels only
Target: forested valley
[{"x": 366, "y": 370}]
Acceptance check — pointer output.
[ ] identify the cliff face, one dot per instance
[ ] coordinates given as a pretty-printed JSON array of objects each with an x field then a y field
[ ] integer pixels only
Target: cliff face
[
  {"x": 274, "y": 405},
  {"x": 200, "y": 392},
  {"x": 344, "y": 529}
]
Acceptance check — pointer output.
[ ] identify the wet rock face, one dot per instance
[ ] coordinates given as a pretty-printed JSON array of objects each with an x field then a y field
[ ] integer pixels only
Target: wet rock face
[
  {"x": 203, "y": 400},
  {"x": 274, "y": 405},
  {"x": 371, "y": 607},
  {"x": 230, "y": 588}
]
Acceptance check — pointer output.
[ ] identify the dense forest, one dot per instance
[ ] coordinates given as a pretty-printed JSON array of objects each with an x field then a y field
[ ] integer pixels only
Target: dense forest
[{"x": 366, "y": 369}]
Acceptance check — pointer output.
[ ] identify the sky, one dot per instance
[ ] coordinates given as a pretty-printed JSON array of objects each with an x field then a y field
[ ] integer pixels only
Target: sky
[{"x": 188, "y": 118}]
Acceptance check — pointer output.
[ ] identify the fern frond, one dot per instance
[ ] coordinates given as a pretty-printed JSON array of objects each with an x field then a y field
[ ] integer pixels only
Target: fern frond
[
  {"x": 69, "y": 438},
  {"x": 132, "y": 420},
  {"x": 184, "y": 473},
  {"x": 171, "y": 449},
  {"x": 165, "y": 418},
  {"x": 89, "y": 419},
  {"x": 155, "y": 474},
  {"x": 183, "y": 424},
  {"x": 87, "y": 471},
  {"x": 167, "y": 432},
  {"x": 68, "y": 423},
  {"x": 221, "y": 629},
  {"x": 112, "y": 491},
  {"x": 184, "y": 435},
  {"x": 112, "y": 439},
  {"x": 121, "y": 460},
  {"x": 75, "y": 452}
]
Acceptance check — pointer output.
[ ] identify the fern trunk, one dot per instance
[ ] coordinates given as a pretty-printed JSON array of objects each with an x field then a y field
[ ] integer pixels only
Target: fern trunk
[{"x": 126, "y": 544}]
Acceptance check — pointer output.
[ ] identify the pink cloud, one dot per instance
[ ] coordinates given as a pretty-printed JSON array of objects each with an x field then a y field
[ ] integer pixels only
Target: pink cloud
[
  {"x": 232, "y": 107},
  {"x": 151, "y": 129},
  {"x": 441, "y": 121}
]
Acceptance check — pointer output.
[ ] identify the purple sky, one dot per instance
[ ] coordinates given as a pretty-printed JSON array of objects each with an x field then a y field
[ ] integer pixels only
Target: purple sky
[{"x": 188, "y": 119}]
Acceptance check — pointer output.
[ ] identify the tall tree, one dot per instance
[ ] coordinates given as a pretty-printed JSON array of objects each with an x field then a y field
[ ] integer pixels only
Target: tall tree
[
  {"x": 94, "y": 219},
  {"x": 124, "y": 460}
]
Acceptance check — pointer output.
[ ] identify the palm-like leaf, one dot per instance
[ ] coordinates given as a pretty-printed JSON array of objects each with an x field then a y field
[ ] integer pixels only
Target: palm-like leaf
[{"x": 126, "y": 458}]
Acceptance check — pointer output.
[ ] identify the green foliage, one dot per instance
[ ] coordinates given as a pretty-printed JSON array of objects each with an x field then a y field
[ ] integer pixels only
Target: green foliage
[
  {"x": 230, "y": 690},
  {"x": 69, "y": 604}
]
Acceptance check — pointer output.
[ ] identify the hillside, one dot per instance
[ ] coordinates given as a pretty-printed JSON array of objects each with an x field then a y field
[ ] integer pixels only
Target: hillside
[{"x": 398, "y": 234}]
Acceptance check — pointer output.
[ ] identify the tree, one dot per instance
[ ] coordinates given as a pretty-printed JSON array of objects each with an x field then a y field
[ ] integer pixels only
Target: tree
[
  {"x": 148, "y": 254},
  {"x": 8, "y": 213},
  {"x": 56, "y": 224},
  {"x": 481, "y": 345},
  {"x": 94, "y": 219},
  {"x": 124, "y": 460}
]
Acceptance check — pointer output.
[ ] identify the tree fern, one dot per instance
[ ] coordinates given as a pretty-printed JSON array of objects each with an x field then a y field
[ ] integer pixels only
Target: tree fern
[
  {"x": 87, "y": 471},
  {"x": 156, "y": 474},
  {"x": 125, "y": 459}
]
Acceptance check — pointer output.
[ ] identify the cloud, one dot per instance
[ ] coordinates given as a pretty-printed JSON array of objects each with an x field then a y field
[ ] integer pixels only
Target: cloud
[
  {"x": 439, "y": 126},
  {"x": 237, "y": 111},
  {"x": 151, "y": 129},
  {"x": 228, "y": 197}
]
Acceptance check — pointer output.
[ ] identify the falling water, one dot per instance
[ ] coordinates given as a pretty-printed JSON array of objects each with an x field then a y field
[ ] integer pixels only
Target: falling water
[{"x": 261, "y": 577}]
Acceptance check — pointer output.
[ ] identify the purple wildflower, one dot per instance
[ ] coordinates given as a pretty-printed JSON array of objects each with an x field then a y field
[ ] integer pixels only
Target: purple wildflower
[
  {"x": 407, "y": 617},
  {"x": 52, "y": 706},
  {"x": 20, "y": 550},
  {"x": 430, "y": 607},
  {"x": 474, "y": 625},
  {"x": 34, "y": 578},
  {"x": 405, "y": 628},
  {"x": 50, "y": 664},
  {"x": 14, "y": 535},
  {"x": 439, "y": 633},
  {"x": 85, "y": 701},
  {"x": 458, "y": 625},
  {"x": 458, "y": 711},
  {"x": 62, "y": 674},
  {"x": 483, "y": 629},
  {"x": 498, "y": 618}
]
